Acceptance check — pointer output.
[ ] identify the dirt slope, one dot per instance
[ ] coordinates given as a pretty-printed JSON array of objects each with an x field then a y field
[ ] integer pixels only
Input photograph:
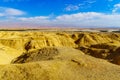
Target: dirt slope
[
  {"x": 68, "y": 64},
  {"x": 7, "y": 54}
]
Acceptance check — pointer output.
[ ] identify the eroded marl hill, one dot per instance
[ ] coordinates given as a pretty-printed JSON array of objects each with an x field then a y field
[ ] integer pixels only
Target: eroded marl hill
[
  {"x": 99, "y": 45},
  {"x": 59, "y": 56},
  {"x": 34, "y": 40}
]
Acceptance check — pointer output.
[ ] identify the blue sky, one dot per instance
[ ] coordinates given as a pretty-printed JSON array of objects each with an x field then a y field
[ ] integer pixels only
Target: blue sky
[{"x": 60, "y": 13}]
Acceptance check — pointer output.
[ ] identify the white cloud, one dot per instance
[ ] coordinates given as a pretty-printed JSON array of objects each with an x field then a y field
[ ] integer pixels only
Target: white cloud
[
  {"x": 72, "y": 7},
  {"x": 84, "y": 4},
  {"x": 85, "y": 19},
  {"x": 79, "y": 16},
  {"x": 37, "y": 18},
  {"x": 35, "y": 21},
  {"x": 10, "y": 12},
  {"x": 116, "y": 8},
  {"x": 1, "y": 14},
  {"x": 14, "y": 12},
  {"x": 90, "y": 19}
]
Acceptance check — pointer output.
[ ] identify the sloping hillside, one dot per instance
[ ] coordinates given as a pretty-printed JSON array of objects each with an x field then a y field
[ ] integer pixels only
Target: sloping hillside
[{"x": 66, "y": 64}]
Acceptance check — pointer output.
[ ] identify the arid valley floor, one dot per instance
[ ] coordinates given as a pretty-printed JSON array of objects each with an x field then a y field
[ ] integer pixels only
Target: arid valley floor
[{"x": 59, "y": 55}]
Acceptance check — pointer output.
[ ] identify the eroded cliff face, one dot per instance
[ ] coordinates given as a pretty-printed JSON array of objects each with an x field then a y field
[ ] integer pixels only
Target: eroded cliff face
[
  {"x": 35, "y": 40},
  {"x": 59, "y": 56},
  {"x": 83, "y": 39}
]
